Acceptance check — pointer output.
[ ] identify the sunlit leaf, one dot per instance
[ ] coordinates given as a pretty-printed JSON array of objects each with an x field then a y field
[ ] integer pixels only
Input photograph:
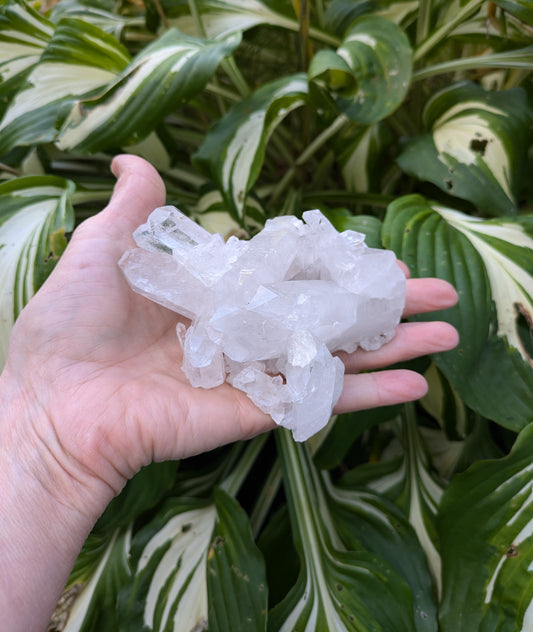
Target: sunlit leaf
[
  {"x": 368, "y": 76},
  {"x": 236, "y": 579},
  {"x": 32, "y": 211},
  {"x": 79, "y": 59},
  {"x": 486, "y": 534},
  {"x": 233, "y": 150},
  {"x": 164, "y": 75},
  {"x": 490, "y": 262},
  {"x": 476, "y": 147},
  {"x": 338, "y": 589}
]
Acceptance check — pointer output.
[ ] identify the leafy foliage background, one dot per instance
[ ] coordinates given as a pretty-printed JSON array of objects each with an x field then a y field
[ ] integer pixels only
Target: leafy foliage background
[{"x": 410, "y": 121}]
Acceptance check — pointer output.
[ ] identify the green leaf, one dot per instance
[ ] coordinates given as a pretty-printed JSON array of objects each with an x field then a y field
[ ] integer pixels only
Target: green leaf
[
  {"x": 369, "y": 74},
  {"x": 369, "y": 225},
  {"x": 24, "y": 34},
  {"x": 346, "y": 429},
  {"x": 111, "y": 23},
  {"x": 233, "y": 150},
  {"x": 517, "y": 58},
  {"x": 379, "y": 526},
  {"x": 236, "y": 578},
  {"x": 486, "y": 533},
  {"x": 221, "y": 18},
  {"x": 337, "y": 589},
  {"x": 521, "y": 8},
  {"x": 34, "y": 211},
  {"x": 477, "y": 144},
  {"x": 168, "y": 560},
  {"x": 141, "y": 493},
  {"x": 445, "y": 405},
  {"x": 490, "y": 263},
  {"x": 408, "y": 480},
  {"x": 79, "y": 59},
  {"x": 164, "y": 75},
  {"x": 360, "y": 154},
  {"x": 95, "y": 607}
]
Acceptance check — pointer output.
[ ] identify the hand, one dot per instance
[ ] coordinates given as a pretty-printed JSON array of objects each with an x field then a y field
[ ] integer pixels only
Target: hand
[{"x": 94, "y": 389}]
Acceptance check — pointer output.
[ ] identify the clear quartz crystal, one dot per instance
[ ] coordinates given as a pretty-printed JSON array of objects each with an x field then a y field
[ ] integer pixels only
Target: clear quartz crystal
[{"x": 268, "y": 314}]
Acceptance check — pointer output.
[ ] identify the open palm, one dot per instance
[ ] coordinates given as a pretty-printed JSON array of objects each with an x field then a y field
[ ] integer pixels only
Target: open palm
[{"x": 102, "y": 364}]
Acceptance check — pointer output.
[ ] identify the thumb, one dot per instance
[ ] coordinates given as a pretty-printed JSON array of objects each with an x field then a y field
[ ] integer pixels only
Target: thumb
[{"x": 138, "y": 190}]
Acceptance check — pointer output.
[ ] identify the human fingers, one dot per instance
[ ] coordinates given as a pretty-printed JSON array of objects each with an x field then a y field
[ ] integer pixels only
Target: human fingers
[
  {"x": 138, "y": 190},
  {"x": 428, "y": 295},
  {"x": 411, "y": 341},
  {"x": 382, "y": 388}
]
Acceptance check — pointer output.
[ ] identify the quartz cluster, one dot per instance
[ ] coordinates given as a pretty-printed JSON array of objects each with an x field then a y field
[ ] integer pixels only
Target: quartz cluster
[{"x": 268, "y": 314}]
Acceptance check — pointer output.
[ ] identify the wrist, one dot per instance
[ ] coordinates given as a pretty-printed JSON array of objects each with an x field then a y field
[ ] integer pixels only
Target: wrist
[{"x": 45, "y": 512}]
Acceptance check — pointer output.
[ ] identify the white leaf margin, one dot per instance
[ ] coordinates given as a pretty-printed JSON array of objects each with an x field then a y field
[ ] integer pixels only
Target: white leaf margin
[
  {"x": 510, "y": 284},
  {"x": 42, "y": 207},
  {"x": 220, "y": 19},
  {"x": 189, "y": 534}
]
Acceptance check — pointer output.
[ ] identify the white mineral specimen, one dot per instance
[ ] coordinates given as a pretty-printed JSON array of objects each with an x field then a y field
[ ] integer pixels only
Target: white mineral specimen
[{"x": 267, "y": 314}]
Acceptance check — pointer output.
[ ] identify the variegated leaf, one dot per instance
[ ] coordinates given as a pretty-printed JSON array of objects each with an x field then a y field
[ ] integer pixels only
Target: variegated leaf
[
  {"x": 220, "y": 18},
  {"x": 24, "y": 34},
  {"x": 486, "y": 535},
  {"x": 337, "y": 590},
  {"x": 35, "y": 213},
  {"x": 405, "y": 476},
  {"x": 107, "y": 563},
  {"x": 211, "y": 213},
  {"x": 236, "y": 578},
  {"x": 477, "y": 144},
  {"x": 379, "y": 526},
  {"x": 359, "y": 155},
  {"x": 112, "y": 23},
  {"x": 79, "y": 59},
  {"x": 369, "y": 75},
  {"x": 168, "y": 557},
  {"x": 341, "y": 13},
  {"x": 490, "y": 262},
  {"x": 233, "y": 150},
  {"x": 164, "y": 75}
]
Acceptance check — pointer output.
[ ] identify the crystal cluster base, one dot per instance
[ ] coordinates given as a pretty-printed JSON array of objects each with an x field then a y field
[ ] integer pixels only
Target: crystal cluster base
[{"x": 268, "y": 314}]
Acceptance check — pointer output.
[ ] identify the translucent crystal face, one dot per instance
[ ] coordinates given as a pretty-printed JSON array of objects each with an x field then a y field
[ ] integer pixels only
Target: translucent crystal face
[{"x": 268, "y": 314}]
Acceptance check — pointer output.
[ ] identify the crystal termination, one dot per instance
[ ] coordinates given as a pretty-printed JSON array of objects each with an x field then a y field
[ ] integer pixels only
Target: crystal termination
[{"x": 268, "y": 314}]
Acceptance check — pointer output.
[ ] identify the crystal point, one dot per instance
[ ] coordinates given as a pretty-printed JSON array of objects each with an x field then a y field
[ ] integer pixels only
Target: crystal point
[{"x": 268, "y": 314}]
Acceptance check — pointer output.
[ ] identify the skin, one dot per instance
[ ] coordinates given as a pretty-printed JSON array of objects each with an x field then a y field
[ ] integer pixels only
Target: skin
[{"x": 92, "y": 390}]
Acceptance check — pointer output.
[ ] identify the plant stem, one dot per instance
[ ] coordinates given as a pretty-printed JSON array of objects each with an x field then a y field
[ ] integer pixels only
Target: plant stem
[
  {"x": 234, "y": 73},
  {"x": 302, "y": 500},
  {"x": 266, "y": 498},
  {"x": 511, "y": 59},
  {"x": 232, "y": 483},
  {"x": 319, "y": 8},
  {"x": 423, "y": 20},
  {"x": 100, "y": 195},
  {"x": 196, "y": 17},
  {"x": 438, "y": 36},
  {"x": 308, "y": 152}
]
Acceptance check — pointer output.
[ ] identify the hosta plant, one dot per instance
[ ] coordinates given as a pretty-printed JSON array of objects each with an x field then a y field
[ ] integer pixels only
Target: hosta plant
[{"x": 410, "y": 121}]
